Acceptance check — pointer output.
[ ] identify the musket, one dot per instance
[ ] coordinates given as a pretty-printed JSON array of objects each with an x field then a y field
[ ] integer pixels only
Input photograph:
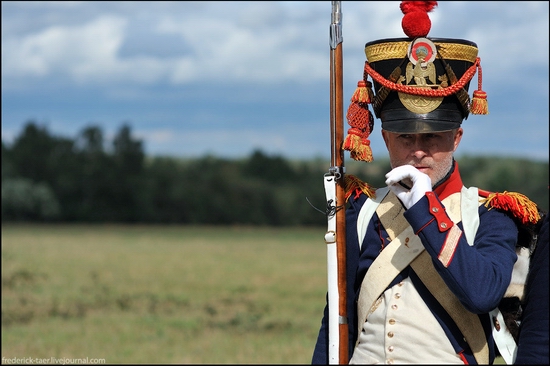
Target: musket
[{"x": 335, "y": 189}]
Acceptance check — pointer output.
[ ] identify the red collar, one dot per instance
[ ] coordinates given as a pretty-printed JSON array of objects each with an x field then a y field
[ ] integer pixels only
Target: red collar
[{"x": 452, "y": 184}]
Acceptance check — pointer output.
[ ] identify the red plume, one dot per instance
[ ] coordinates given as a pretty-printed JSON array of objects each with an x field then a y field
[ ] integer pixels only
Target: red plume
[{"x": 416, "y": 22}]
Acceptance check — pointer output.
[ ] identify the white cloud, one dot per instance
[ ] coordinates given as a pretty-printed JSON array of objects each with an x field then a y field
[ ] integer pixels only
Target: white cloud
[
  {"x": 253, "y": 41},
  {"x": 144, "y": 53},
  {"x": 83, "y": 52}
]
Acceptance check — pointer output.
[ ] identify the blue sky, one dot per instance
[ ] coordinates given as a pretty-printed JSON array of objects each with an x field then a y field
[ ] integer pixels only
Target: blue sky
[{"x": 225, "y": 78}]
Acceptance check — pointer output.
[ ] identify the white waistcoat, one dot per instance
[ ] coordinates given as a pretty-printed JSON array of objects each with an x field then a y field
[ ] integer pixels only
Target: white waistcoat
[{"x": 392, "y": 332}]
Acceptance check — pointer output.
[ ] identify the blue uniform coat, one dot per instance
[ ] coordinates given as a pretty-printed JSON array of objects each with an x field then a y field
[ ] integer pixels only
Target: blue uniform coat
[{"x": 478, "y": 275}]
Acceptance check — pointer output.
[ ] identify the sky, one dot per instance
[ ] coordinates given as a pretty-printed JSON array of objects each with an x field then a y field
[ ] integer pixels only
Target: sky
[{"x": 227, "y": 78}]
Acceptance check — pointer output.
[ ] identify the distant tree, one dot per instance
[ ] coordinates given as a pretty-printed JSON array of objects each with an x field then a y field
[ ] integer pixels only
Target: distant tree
[
  {"x": 30, "y": 153},
  {"x": 268, "y": 168},
  {"x": 90, "y": 140},
  {"x": 166, "y": 187},
  {"x": 129, "y": 196},
  {"x": 91, "y": 185},
  {"x": 24, "y": 200},
  {"x": 46, "y": 177},
  {"x": 41, "y": 165},
  {"x": 499, "y": 174},
  {"x": 8, "y": 169},
  {"x": 128, "y": 151}
]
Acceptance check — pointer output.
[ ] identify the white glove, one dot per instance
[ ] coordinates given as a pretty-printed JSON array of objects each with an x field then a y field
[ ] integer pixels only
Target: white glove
[{"x": 421, "y": 183}]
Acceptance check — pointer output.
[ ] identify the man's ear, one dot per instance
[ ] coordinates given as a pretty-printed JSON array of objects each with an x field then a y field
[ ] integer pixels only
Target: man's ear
[{"x": 458, "y": 137}]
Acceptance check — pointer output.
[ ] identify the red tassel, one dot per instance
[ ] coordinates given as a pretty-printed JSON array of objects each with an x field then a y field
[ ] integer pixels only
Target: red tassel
[
  {"x": 518, "y": 204},
  {"x": 358, "y": 145},
  {"x": 352, "y": 140},
  {"x": 479, "y": 100},
  {"x": 479, "y": 103},
  {"x": 356, "y": 185},
  {"x": 363, "y": 93},
  {"x": 361, "y": 122},
  {"x": 359, "y": 116}
]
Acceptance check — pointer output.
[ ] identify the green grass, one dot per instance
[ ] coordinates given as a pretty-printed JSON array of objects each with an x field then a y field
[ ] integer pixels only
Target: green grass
[{"x": 162, "y": 294}]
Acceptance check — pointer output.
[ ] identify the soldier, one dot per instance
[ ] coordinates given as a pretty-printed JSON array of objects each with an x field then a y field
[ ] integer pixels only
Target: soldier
[
  {"x": 534, "y": 333},
  {"x": 428, "y": 260}
]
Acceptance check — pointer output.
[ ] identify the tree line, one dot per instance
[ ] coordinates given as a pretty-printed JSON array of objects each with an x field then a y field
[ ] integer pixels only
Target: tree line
[{"x": 48, "y": 178}]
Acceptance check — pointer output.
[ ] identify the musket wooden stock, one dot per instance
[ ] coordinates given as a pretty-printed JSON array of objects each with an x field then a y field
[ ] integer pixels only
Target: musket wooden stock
[{"x": 337, "y": 165}]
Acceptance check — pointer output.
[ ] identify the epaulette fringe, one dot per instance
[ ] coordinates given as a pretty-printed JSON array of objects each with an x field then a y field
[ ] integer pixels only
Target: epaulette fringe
[
  {"x": 357, "y": 186},
  {"x": 518, "y": 204}
]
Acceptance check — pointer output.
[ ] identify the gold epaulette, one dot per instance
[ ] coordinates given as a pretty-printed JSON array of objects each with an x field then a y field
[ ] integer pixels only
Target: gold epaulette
[
  {"x": 516, "y": 203},
  {"x": 357, "y": 186}
]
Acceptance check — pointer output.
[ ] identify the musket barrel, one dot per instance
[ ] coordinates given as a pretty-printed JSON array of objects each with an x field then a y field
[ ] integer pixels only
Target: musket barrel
[
  {"x": 339, "y": 315},
  {"x": 336, "y": 25}
]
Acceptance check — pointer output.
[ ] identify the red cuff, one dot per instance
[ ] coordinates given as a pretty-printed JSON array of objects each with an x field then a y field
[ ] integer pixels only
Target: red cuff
[{"x": 437, "y": 210}]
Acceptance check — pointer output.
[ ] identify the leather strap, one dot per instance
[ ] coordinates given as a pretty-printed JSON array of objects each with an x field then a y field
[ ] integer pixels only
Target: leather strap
[
  {"x": 390, "y": 262},
  {"x": 468, "y": 323}
]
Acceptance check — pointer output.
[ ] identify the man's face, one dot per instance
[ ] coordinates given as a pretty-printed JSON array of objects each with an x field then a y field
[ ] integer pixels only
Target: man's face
[{"x": 431, "y": 153}]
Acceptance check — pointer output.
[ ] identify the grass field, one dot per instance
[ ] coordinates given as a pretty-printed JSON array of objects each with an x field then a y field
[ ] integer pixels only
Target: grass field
[{"x": 162, "y": 294}]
